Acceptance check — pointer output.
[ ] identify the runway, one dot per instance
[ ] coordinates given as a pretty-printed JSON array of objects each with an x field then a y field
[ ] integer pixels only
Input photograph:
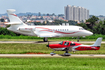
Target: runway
[
  {"x": 41, "y": 42},
  {"x": 48, "y": 55}
]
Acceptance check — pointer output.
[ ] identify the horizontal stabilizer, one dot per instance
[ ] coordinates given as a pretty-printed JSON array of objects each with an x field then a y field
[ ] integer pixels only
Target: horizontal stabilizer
[{"x": 13, "y": 23}]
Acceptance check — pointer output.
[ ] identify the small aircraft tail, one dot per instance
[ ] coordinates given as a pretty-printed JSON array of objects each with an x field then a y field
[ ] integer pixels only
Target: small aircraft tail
[{"x": 98, "y": 42}]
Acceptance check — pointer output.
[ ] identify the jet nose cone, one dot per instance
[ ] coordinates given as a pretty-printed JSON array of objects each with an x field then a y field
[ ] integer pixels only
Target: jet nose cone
[
  {"x": 89, "y": 33},
  {"x": 85, "y": 33}
]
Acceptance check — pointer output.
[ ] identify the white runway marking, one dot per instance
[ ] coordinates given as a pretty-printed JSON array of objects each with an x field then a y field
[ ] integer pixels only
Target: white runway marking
[{"x": 48, "y": 55}]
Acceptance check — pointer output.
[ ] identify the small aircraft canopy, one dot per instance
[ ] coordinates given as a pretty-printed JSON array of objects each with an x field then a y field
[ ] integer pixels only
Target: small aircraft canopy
[
  {"x": 72, "y": 44},
  {"x": 61, "y": 42},
  {"x": 66, "y": 43}
]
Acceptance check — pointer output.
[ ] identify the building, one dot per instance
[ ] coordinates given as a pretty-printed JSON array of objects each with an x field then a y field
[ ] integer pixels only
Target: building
[{"x": 74, "y": 13}]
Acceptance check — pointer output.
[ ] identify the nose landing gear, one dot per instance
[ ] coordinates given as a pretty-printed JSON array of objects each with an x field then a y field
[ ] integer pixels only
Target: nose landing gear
[
  {"x": 52, "y": 53},
  {"x": 45, "y": 39}
]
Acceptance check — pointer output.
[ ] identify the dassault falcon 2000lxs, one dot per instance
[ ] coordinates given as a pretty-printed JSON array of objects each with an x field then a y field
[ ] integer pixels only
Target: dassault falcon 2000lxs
[{"x": 18, "y": 26}]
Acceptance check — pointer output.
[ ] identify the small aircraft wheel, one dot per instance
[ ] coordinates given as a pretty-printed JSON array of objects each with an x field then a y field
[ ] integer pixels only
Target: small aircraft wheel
[
  {"x": 52, "y": 54},
  {"x": 67, "y": 54}
]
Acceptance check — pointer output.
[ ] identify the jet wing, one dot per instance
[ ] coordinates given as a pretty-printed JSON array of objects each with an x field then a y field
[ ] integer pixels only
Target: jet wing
[{"x": 46, "y": 34}]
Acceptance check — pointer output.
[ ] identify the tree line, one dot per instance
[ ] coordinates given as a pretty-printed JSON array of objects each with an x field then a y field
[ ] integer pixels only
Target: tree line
[
  {"x": 4, "y": 31},
  {"x": 93, "y": 24}
]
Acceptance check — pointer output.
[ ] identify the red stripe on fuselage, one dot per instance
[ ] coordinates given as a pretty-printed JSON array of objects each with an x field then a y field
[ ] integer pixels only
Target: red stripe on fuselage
[
  {"x": 81, "y": 48},
  {"x": 66, "y": 33},
  {"x": 55, "y": 31}
]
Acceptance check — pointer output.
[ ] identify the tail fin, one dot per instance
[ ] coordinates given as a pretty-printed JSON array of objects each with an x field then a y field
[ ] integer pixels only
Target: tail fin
[
  {"x": 98, "y": 42},
  {"x": 14, "y": 19},
  {"x": 12, "y": 16}
]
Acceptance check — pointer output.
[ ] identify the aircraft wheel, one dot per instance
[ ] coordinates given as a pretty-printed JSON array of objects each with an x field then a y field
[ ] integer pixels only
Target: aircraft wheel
[
  {"x": 67, "y": 54},
  {"x": 52, "y": 54}
]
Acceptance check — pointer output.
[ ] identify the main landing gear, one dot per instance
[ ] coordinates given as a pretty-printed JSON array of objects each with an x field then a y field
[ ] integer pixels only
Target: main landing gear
[
  {"x": 78, "y": 39},
  {"x": 67, "y": 54},
  {"x": 45, "y": 39}
]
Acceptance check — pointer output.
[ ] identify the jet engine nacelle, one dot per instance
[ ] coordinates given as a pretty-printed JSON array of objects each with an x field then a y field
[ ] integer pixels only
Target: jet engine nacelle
[{"x": 25, "y": 29}]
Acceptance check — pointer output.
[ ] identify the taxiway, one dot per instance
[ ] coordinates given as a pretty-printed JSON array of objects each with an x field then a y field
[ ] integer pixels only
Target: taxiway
[
  {"x": 41, "y": 42},
  {"x": 48, "y": 55}
]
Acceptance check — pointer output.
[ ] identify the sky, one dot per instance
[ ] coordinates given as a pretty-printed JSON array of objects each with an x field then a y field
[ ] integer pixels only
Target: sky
[{"x": 96, "y": 7}]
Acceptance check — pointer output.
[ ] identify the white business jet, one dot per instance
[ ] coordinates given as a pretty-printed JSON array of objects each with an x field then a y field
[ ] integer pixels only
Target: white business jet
[{"x": 19, "y": 27}]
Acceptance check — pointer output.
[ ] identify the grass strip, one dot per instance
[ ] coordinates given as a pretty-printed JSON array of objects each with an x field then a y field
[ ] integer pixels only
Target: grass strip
[
  {"x": 52, "y": 63},
  {"x": 12, "y": 48}
]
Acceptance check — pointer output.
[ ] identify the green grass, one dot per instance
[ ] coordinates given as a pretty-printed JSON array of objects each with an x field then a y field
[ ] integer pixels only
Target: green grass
[
  {"x": 34, "y": 38},
  {"x": 52, "y": 64},
  {"x": 25, "y": 48}
]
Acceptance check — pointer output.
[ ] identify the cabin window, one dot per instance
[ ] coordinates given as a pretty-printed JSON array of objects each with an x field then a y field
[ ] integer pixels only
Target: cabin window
[
  {"x": 66, "y": 43},
  {"x": 72, "y": 44}
]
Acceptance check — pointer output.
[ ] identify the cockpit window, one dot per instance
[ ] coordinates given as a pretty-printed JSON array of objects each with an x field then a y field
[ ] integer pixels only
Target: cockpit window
[
  {"x": 66, "y": 43},
  {"x": 81, "y": 29},
  {"x": 61, "y": 43}
]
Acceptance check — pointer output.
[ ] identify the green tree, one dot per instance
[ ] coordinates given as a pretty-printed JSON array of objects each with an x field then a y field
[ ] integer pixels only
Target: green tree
[
  {"x": 92, "y": 21},
  {"x": 83, "y": 25},
  {"x": 99, "y": 28},
  {"x": 57, "y": 22},
  {"x": 4, "y": 31}
]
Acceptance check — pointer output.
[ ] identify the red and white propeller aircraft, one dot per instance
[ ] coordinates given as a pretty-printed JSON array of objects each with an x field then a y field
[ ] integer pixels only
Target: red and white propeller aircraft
[{"x": 74, "y": 46}]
